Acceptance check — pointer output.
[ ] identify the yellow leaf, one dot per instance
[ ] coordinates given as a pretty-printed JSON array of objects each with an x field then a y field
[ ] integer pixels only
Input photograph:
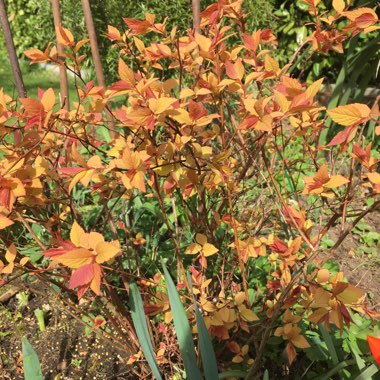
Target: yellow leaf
[
  {"x": 248, "y": 315},
  {"x": 95, "y": 162},
  {"x": 105, "y": 252},
  {"x": 160, "y": 105},
  {"x": 76, "y": 179},
  {"x": 125, "y": 73},
  {"x": 350, "y": 294},
  {"x": 193, "y": 249},
  {"x": 48, "y": 99},
  {"x": 8, "y": 269},
  {"x": 24, "y": 260},
  {"x": 313, "y": 89},
  {"x": 374, "y": 178},
  {"x": 282, "y": 101},
  {"x": 91, "y": 240},
  {"x": 350, "y": 114},
  {"x": 76, "y": 233},
  {"x": 338, "y": 5},
  {"x": 209, "y": 250},
  {"x": 237, "y": 359},
  {"x": 271, "y": 64},
  {"x": 336, "y": 181},
  {"x": 11, "y": 253},
  {"x": 75, "y": 258},
  {"x": 203, "y": 42},
  {"x": 239, "y": 298},
  {"x": 185, "y": 93}
]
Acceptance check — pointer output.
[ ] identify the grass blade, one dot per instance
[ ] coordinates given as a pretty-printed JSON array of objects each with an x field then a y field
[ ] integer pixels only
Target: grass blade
[
  {"x": 210, "y": 366},
  {"x": 335, "y": 370},
  {"x": 368, "y": 373},
  {"x": 32, "y": 367},
  {"x": 183, "y": 330},
  {"x": 329, "y": 343},
  {"x": 139, "y": 321},
  {"x": 232, "y": 373}
]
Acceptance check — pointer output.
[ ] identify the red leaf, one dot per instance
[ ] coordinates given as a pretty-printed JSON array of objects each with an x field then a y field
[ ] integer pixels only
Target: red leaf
[
  {"x": 344, "y": 136},
  {"x": 196, "y": 110},
  {"x": 82, "y": 276}
]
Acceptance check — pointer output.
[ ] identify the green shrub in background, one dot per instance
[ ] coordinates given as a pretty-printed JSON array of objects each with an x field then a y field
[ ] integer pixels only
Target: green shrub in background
[
  {"x": 32, "y": 21},
  {"x": 32, "y": 25}
]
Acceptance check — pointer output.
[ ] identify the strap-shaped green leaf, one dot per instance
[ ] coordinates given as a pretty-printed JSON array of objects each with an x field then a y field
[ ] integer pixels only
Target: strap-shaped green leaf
[
  {"x": 182, "y": 328},
  {"x": 368, "y": 373},
  {"x": 32, "y": 367},
  {"x": 210, "y": 366},
  {"x": 141, "y": 327}
]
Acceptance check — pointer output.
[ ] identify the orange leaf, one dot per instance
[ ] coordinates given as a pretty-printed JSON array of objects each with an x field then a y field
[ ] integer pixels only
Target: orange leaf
[
  {"x": 75, "y": 258},
  {"x": 32, "y": 107},
  {"x": 95, "y": 283},
  {"x": 290, "y": 353},
  {"x": 113, "y": 33},
  {"x": 11, "y": 253},
  {"x": 336, "y": 181},
  {"x": 300, "y": 341},
  {"x": 235, "y": 70},
  {"x": 350, "y": 114},
  {"x": 374, "y": 178},
  {"x": 5, "y": 222},
  {"x": 36, "y": 55},
  {"x": 64, "y": 36},
  {"x": 125, "y": 73}
]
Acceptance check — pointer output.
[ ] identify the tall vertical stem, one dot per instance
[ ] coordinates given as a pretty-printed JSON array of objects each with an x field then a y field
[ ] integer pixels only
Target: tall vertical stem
[
  {"x": 95, "y": 54},
  {"x": 196, "y": 14},
  {"x": 12, "y": 51}
]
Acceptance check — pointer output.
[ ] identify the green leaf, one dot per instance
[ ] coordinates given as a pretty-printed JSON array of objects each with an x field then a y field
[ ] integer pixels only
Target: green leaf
[
  {"x": 339, "y": 367},
  {"x": 210, "y": 365},
  {"x": 233, "y": 373},
  {"x": 32, "y": 367},
  {"x": 139, "y": 321},
  {"x": 266, "y": 375},
  {"x": 182, "y": 327},
  {"x": 329, "y": 343},
  {"x": 368, "y": 373}
]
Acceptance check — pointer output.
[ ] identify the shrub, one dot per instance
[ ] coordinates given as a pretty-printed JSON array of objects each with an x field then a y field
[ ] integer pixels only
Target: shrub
[{"x": 215, "y": 169}]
